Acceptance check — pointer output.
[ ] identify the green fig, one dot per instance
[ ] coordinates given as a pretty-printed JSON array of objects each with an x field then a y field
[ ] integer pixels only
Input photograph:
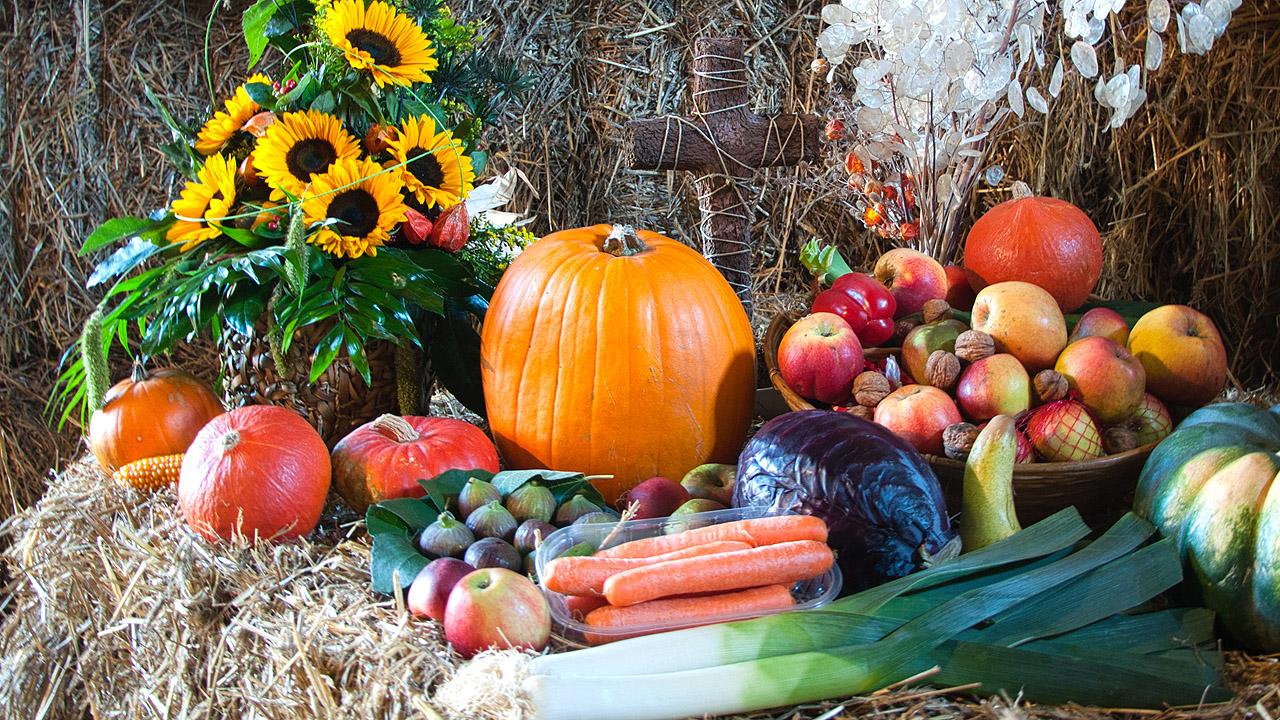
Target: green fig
[
  {"x": 475, "y": 494},
  {"x": 446, "y": 537},
  {"x": 492, "y": 521},
  {"x": 531, "y": 501},
  {"x": 574, "y": 508}
]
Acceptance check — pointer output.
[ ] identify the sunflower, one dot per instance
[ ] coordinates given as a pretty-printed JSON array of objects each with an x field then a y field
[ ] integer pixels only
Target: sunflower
[
  {"x": 299, "y": 146},
  {"x": 358, "y": 204},
  {"x": 226, "y": 123},
  {"x": 378, "y": 39},
  {"x": 205, "y": 202},
  {"x": 432, "y": 164}
]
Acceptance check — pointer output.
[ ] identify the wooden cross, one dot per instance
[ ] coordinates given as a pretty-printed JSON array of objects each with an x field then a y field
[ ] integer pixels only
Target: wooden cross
[{"x": 723, "y": 142}]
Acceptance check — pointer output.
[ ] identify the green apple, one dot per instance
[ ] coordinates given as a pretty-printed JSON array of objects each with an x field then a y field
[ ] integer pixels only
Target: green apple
[
  {"x": 712, "y": 481},
  {"x": 923, "y": 340}
]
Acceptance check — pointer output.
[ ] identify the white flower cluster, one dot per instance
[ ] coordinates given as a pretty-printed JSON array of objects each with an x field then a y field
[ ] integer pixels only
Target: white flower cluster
[{"x": 935, "y": 78}]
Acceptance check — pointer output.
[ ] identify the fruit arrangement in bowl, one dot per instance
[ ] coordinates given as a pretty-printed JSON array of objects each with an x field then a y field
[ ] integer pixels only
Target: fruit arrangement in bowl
[{"x": 1091, "y": 391}]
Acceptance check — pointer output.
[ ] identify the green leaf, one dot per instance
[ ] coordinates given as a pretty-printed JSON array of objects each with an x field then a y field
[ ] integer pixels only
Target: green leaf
[
  {"x": 262, "y": 94},
  {"x": 450, "y": 483},
  {"x": 825, "y": 262},
  {"x": 394, "y": 562},
  {"x": 326, "y": 351},
  {"x": 325, "y": 102},
  {"x": 454, "y": 349},
  {"x": 113, "y": 231},
  {"x": 122, "y": 261},
  {"x": 479, "y": 160},
  {"x": 562, "y": 484},
  {"x": 413, "y": 512},
  {"x": 254, "y": 21}
]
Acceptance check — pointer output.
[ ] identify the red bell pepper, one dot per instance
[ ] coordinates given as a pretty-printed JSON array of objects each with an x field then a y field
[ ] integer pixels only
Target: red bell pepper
[{"x": 864, "y": 302}]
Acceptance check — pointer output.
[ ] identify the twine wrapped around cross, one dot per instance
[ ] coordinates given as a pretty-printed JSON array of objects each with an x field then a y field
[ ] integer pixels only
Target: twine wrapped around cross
[{"x": 723, "y": 142}]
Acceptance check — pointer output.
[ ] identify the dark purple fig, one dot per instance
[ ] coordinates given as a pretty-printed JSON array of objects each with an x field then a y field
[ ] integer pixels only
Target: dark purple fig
[{"x": 492, "y": 552}]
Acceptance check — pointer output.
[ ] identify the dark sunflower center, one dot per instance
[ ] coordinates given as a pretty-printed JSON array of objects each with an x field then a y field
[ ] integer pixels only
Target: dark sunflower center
[
  {"x": 382, "y": 50},
  {"x": 426, "y": 167},
  {"x": 357, "y": 210},
  {"x": 309, "y": 157}
]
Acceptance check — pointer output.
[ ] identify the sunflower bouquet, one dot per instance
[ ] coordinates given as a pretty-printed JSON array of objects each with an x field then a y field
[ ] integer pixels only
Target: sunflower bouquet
[{"x": 326, "y": 203}]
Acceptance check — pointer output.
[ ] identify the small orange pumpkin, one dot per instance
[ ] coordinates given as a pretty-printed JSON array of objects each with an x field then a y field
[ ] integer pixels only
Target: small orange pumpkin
[
  {"x": 150, "y": 414},
  {"x": 261, "y": 470},
  {"x": 385, "y": 458},
  {"x": 1040, "y": 240},
  {"x": 618, "y": 352}
]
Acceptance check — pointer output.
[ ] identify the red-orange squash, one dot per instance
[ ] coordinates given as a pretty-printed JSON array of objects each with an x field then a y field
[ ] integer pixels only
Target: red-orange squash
[
  {"x": 1040, "y": 240},
  {"x": 150, "y": 414},
  {"x": 619, "y": 352},
  {"x": 261, "y": 470},
  {"x": 385, "y": 458}
]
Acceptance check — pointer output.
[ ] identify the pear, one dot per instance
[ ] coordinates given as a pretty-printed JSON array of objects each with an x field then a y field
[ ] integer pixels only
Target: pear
[{"x": 987, "y": 512}]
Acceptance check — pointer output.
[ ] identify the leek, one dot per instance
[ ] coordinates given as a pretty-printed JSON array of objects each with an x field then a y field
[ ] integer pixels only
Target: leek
[{"x": 630, "y": 689}]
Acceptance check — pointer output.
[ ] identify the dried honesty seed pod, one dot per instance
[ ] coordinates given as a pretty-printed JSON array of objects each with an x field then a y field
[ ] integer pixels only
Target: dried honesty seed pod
[
  {"x": 863, "y": 412},
  {"x": 973, "y": 345},
  {"x": 942, "y": 369},
  {"x": 820, "y": 66},
  {"x": 957, "y": 440},
  {"x": 935, "y": 310},
  {"x": 1119, "y": 439},
  {"x": 869, "y": 388},
  {"x": 1050, "y": 385}
]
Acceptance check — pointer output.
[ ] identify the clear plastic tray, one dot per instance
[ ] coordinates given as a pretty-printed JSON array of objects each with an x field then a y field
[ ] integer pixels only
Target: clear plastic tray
[{"x": 808, "y": 594}]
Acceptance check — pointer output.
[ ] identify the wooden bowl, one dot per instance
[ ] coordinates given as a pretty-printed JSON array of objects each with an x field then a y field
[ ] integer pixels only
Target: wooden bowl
[{"x": 1101, "y": 489}]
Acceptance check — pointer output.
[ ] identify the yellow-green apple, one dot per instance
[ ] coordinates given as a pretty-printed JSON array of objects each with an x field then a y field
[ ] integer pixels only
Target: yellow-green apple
[
  {"x": 495, "y": 607},
  {"x": 918, "y": 414},
  {"x": 1024, "y": 320},
  {"x": 429, "y": 592},
  {"x": 1151, "y": 422},
  {"x": 819, "y": 357},
  {"x": 689, "y": 516},
  {"x": 656, "y": 497},
  {"x": 1101, "y": 322},
  {"x": 1105, "y": 376},
  {"x": 960, "y": 293},
  {"x": 1182, "y": 352},
  {"x": 913, "y": 277},
  {"x": 923, "y": 340},
  {"x": 994, "y": 385},
  {"x": 712, "y": 481}
]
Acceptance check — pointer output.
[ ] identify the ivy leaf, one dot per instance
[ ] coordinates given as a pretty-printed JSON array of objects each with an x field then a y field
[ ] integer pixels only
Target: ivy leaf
[{"x": 254, "y": 21}]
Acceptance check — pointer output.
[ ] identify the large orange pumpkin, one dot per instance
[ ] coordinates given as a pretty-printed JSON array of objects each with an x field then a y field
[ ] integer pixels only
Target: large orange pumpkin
[
  {"x": 385, "y": 458},
  {"x": 261, "y": 470},
  {"x": 1040, "y": 240},
  {"x": 150, "y": 414},
  {"x": 618, "y": 352}
]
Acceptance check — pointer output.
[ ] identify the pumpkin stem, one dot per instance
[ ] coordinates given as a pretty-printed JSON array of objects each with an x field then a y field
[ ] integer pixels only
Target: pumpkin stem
[
  {"x": 396, "y": 428},
  {"x": 230, "y": 439},
  {"x": 139, "y": 371},
  {"x": 623, "y": 241}
]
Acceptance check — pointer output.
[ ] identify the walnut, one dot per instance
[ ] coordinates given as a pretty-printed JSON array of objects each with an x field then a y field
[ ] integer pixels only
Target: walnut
[
  {"x": 935, "y": 310},
  {"x": 902, "y": 327},
  {"x": 942, "y": 369},
  {"x": 863, "y": 412},
  {"x": 1119, "y": 439},
  {"x": 957, "y": 440},
  {"x": 973, "y": 345},
  {"x": 869, "y": 388},
  {"x": 1050, "y": 386}
]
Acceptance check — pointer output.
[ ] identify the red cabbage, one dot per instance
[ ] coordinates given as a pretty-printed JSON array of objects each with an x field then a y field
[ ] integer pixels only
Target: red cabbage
[{"x": 881, "y": 500}]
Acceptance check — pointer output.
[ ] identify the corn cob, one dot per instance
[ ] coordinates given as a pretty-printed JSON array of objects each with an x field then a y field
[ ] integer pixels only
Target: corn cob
[{"x": 150, "y": 473}]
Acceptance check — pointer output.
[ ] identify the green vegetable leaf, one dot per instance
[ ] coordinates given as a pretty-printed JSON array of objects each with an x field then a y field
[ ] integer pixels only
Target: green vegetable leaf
[
  {"x": 824, "y": 261},
  {"x": 254, "y": 21}
]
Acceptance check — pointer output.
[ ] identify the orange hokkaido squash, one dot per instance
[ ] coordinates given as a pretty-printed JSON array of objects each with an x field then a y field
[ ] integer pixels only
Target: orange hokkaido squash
[
  {"x": 612, "y": 351},
  {"x": 150, "y": 414}
]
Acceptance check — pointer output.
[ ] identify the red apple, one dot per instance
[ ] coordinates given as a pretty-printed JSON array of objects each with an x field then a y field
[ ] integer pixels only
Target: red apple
[
  {"x": 918, "y": 414},
  {"x": 960, "y": 293},
  {"x": 994, "y": 385},
  {"x": 1182, "y": 353},
  {"x": 1024, "y": 320},
  {"x": 430, "y": 590},
  {"x": 1105, "y": 376},
  {"x": 1151, "y": 422},
  {"x": 656, "y": 497},
  {"x": 496, "y": 607},
  {"x": 1101, "y": 322},
  {"x": 913, "y": 277},
  {"x": 819, "y": 357},
  {"x": 713, "y": 481}
]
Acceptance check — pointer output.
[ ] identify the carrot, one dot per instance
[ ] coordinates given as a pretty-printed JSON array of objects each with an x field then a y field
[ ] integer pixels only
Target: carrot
[
  {"x": 586, "y": 575},
  {"x": 579, "y": 606},
  {"x": 780, "y": 564},
  {"x": 754, "y": 531},
  {"x": 689, "y": 612}
]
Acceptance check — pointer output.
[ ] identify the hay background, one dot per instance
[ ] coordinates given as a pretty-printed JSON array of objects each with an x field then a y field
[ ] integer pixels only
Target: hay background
[{"x": 1187, "y": 197}]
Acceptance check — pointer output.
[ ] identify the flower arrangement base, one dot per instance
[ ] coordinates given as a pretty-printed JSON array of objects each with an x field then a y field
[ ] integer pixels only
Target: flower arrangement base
[{"x": 335, "y": 404}]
